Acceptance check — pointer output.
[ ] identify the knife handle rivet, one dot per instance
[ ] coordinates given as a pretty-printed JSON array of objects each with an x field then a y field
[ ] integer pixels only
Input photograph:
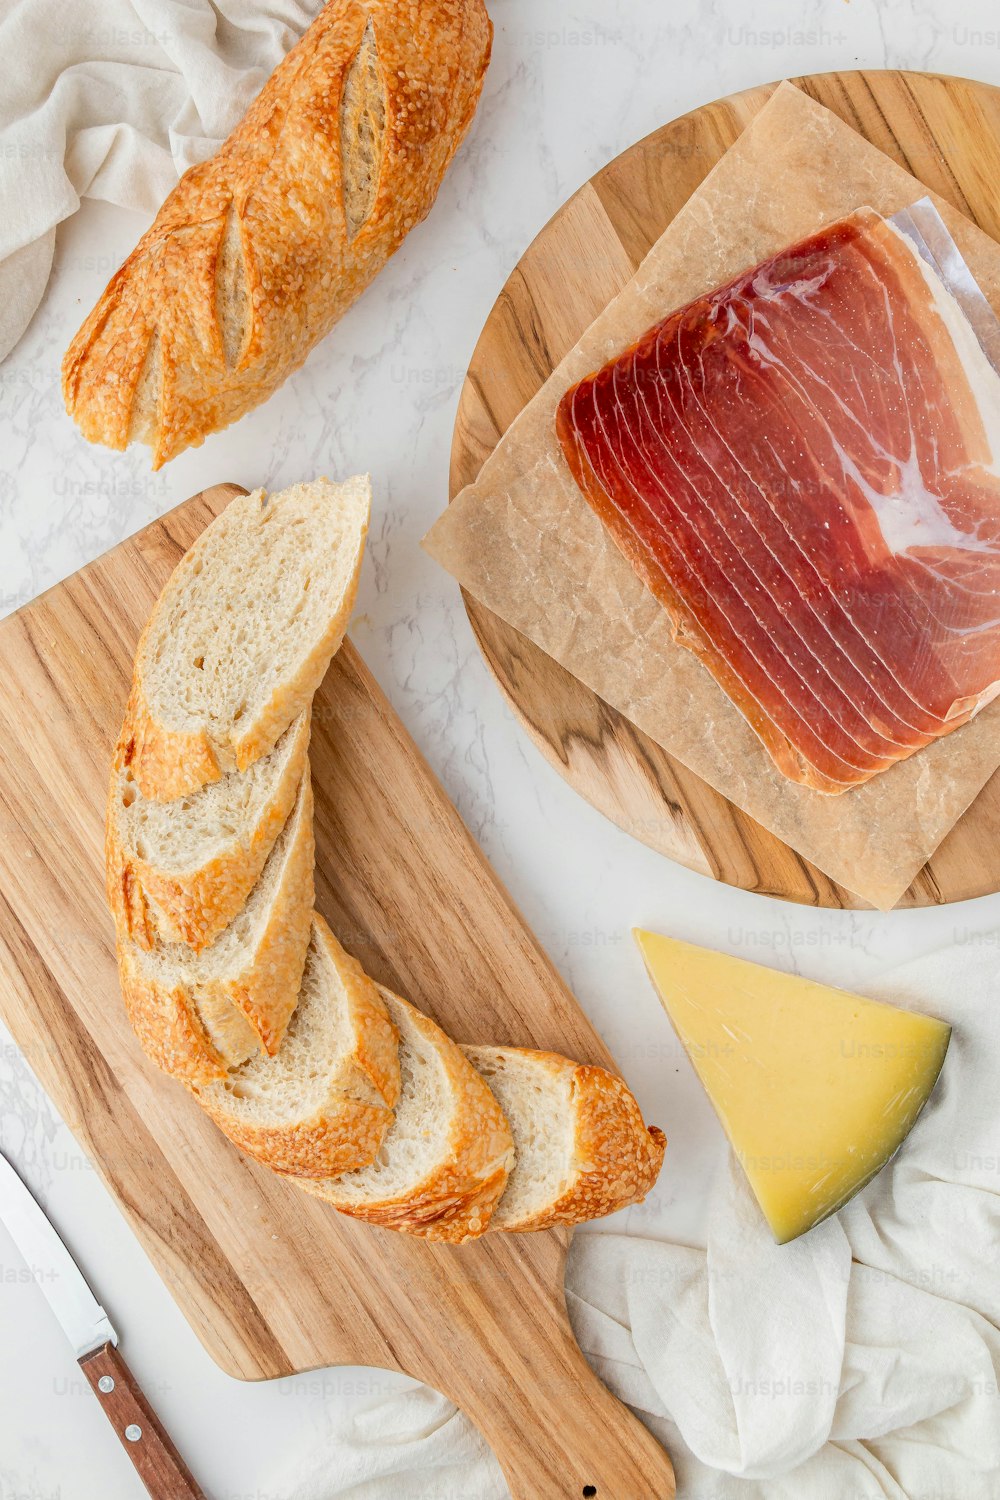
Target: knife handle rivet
[
  {"x": 133, "y": 1432},
  {"x": 106, "y": 1385}
]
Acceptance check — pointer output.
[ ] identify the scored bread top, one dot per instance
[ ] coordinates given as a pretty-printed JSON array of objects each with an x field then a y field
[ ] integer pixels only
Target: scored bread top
[
  {"x": 179, "y": 872},
  {"x": 258, "y": 251},
  {"x": 582, "y": 1149},
  {"x": 323, "y": 1103},
  {"x": 242, "y": 635},
  {"x": 447, "y": 1155},
  {"x": 196, "y": 1014}
]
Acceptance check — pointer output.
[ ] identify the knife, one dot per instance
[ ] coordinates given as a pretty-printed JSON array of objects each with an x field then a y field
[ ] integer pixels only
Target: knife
[{"x": 94, "y": 1342}]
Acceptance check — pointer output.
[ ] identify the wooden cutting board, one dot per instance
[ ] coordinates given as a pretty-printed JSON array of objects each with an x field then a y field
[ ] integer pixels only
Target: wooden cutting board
[
  {"x": 274, "y": 1282},
  {"x": 946, "y": 131}
]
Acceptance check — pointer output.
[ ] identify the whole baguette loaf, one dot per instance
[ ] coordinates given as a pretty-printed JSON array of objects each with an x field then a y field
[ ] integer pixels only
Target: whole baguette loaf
[{"x": 257, "y": 252}]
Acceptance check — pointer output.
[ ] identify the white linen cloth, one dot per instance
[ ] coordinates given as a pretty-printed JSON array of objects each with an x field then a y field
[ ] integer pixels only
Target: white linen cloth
[
  {"x": 114, "y": 99},
  {"x": 860, "y": 1361}
]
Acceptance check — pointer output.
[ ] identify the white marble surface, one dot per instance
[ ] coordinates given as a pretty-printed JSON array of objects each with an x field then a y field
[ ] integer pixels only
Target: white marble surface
[{"x": 570, "y": 86}]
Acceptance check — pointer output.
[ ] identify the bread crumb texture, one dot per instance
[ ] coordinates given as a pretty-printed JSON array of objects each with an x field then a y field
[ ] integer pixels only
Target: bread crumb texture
[
  {"x": 198, "y": 1013},
  {"x": 323, "y": 1103},
  {"x": 181, "y": 871},
  {"x": 241, "y": 637},
  {"x": 446, "y": 1157},
  {"x": 582, "y": 1149}
]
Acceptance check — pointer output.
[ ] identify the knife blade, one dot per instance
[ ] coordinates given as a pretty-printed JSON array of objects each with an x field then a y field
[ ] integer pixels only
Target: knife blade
[
  {"x": 94, "y": 1342},
  {"x": 80, "y": 1315}
]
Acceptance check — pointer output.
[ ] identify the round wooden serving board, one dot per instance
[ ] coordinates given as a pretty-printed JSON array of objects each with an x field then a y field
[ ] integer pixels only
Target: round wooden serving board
[{"x": 946, "y": 131}]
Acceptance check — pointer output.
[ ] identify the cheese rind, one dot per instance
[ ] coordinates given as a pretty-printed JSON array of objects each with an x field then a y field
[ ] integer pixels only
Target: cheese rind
[{"x": 815, "y": 1088}]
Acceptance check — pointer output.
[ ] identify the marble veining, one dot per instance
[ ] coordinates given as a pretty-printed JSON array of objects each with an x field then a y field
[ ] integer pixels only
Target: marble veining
[{"x": 570, "y": 86}]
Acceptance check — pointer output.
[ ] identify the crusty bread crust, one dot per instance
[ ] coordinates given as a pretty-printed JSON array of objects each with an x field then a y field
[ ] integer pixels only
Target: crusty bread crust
[
  {"x": 345, "y": 1132},
  {"x": 167, "y": 763},
  {"x": 170, "y": 1031},
  {"x": 201, "y": 1029},
  {"x": 340, "y": 1140},
  {"x": 169, "y": 1019},
  {"x": 152, "y": 904},
  {"x": 455, "y": 1200},
  {"x": 617, "y": 1158},
  {"x": 257, "y": 252}
]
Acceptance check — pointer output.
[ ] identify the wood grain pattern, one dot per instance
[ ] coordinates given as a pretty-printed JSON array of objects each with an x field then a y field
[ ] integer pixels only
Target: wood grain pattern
[
  {"x": 272, "y": 1281},
  {"x": 156, "y": 1459},
  {"x": 944, "y": 130}
]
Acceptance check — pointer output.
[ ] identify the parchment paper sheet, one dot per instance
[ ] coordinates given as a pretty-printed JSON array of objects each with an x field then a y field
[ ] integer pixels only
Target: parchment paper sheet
[{"x": 524, "y": 541}]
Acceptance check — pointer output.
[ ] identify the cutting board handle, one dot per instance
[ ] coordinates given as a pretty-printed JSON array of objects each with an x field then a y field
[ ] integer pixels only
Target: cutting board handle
[{"x": 557, "y": 1431}]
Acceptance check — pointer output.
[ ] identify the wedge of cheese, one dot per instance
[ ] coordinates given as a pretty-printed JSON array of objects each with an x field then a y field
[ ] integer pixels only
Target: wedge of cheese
[{"x": 816, "y": 1089}]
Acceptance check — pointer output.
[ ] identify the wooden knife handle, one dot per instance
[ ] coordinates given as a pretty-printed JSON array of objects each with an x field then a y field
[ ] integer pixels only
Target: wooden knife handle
[{"x": 156, "y": 1460}]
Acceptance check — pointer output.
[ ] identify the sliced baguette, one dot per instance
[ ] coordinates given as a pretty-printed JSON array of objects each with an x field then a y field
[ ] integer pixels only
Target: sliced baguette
[
  {"x": 243, "y": 633},
  {"x": 582, "y": 1149},
  {"x": 198, "y": 1014},
  {"x": 323, "y": 1104},
  {"x": 446, "y": 1157},
  {"x": 179, "y": 872}
]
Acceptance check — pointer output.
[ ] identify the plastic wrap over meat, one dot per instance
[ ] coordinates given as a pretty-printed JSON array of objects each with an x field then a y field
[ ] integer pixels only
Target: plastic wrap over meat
[{"x": 804, "y": 467}]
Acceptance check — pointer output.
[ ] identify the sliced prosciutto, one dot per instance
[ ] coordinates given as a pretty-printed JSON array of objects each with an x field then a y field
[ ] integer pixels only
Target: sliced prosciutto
[{"x": 803, "y": 468}]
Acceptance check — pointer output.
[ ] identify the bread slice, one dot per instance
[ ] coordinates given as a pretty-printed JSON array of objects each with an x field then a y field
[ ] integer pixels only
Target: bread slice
[
  {"x": 582, "y": 1148},
  {"x": 198, "y": 1014},
  {"x": 179, "y": 872},
  {"x": 243, "y": 633},
  {"x": 446, "y": 1157},
  {"x": 323, "y": 1104}
]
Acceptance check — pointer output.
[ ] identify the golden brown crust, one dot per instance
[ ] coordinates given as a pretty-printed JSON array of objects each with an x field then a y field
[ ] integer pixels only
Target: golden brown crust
[
  {"x": 376, "y": 1038},
  {"x": 343, "y": 1140},
  {"x": 166, "y": 763},
  {"x": 455, "y": 1201},
  {"x": 256, "y": 240},
  {"x": 270, "y": 987},
  {"x": 153, "y": 905},
  {"x": 617, "y": 1157},
  {"x": 195, "y": 1030},
  {"x": 126, "y": 897},
  {"x": 347, "y": 1130},
  {"x": 166, "y": 1023}
]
